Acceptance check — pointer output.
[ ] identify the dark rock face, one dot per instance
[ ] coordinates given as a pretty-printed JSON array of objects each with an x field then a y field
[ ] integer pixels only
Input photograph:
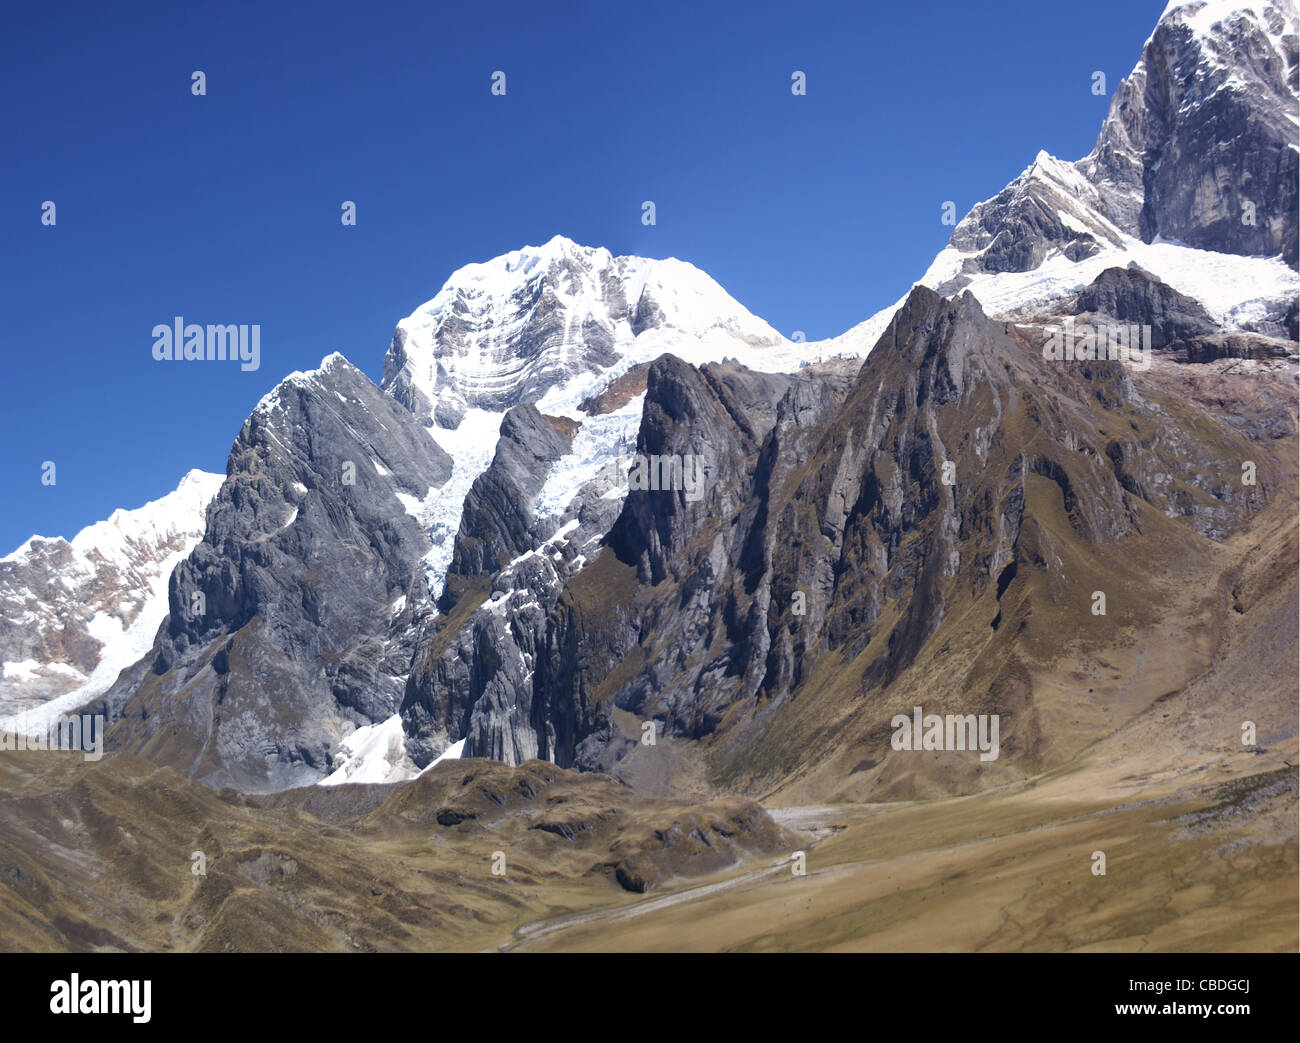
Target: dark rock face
[
  {"x": 472, "y": 677},
  {"x": 1199, "y": 145},
  {"x": 1047, "y": 208},
  {"x": 1130, "y": 295},
  {"x": 1198, "y": 148},
  {"x": 718, "y": 415},
  {"x": 486, "y": 673},
  {"x": 713, "y": 417},
  {"x": 679, "y": 657},
  {"x": 1179, "y": 326},
  {"x": 497, "y": 522},
  {"x": 848, "y": 523},
  {"x": 296, "y": 614}
]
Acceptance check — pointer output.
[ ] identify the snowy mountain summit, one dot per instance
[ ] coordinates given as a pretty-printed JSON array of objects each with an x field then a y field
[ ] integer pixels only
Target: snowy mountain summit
[
  {"x": 553, "y": 326},
  {"x": 75, "y": 612},
  {"x": 1199, "y": 143},
  {"x": 446, "y": 562},
  {"x": 542, "y": 323},
  {"x": 1193, "y": 177}
]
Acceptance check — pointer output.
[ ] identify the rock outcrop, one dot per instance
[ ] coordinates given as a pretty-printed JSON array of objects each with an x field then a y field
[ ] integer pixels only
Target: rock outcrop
[{"x": 294, "y": 618}]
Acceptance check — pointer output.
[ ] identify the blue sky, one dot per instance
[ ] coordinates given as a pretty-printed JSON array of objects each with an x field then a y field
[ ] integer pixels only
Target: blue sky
[{"x": 812, "y": 211}]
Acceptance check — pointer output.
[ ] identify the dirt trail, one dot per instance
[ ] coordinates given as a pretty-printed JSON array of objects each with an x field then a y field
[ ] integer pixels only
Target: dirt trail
[
  {"x": 606, "y": 914},
  {"x": 814, "y": 822}
]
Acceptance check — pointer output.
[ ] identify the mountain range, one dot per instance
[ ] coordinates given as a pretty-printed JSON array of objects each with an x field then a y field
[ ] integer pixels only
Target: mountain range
[{"x": 461, "y": 562}]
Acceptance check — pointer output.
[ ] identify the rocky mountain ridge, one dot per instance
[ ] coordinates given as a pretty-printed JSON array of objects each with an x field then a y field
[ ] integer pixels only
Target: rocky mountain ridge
[
  {"x": 465, "y": 554},
  {"x": 75, "y": 612}
]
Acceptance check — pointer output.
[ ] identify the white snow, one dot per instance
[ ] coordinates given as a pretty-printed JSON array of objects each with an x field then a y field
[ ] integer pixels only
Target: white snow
[
  {"x": 1073, "y": 223},
  {"x": 601, "y": 440},
  {"x": 373, "y": 753},
  {"x": 113, "y": 539},
  {"x": 22, "y": 670},
  {"x": 1232, "y": 288},
  {"x": 1201, "y": 16},
  {"x": 127, "y": 546},
  {"x": 548, "y": 547},
  {"x": 471, "y": 446},
  {"x": 32, "y": 669}
]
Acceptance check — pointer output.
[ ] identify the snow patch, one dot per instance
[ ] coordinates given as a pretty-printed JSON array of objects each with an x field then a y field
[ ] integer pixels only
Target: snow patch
[
  {"x": 1233, "y": 289},
  {"x": 374, "y": 753}
]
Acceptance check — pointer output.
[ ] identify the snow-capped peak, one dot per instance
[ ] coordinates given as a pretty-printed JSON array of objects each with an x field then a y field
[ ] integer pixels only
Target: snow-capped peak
[
  {"x": 1227, "y": 45},
  {"x": 552, "y": 326},
  {"x": 1206, "y": 17},
  {"x": 113, "y": 538},
  {"x": 73, "y": 613},
  {"x": 1215, "y": 78},
  {"x": 502, "y": 274},
  {"x": 298, "y": 376},
  {"x": 512, "y": 329}
]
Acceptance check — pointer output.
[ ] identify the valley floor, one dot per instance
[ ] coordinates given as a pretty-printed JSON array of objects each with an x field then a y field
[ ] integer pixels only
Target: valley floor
[
  {"x": 1205, "y": 861},
  {"x": 1198, "y": 857}
]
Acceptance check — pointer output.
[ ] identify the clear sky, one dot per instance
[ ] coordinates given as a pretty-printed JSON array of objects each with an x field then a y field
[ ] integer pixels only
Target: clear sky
[{"x": 813, "y": 211}]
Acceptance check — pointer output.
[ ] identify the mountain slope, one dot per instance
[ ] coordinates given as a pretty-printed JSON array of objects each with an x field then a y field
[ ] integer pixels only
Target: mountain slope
[
  {"x": 831, "y": 561},
  {"x": 1199, "y": 144},
  {"x": 1193, "y": 178},
  {"x": 291, "y": 622},
  {"x": 525, "y": 597},
  {"x": 75, "y": 613}
]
